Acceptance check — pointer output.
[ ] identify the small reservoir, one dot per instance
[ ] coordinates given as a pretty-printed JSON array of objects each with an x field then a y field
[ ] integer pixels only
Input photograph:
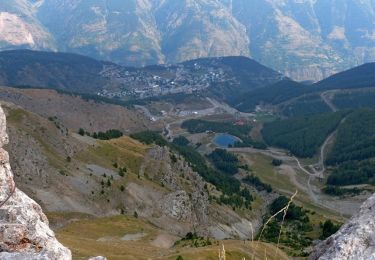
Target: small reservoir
[{"x": 225, "y": 140}]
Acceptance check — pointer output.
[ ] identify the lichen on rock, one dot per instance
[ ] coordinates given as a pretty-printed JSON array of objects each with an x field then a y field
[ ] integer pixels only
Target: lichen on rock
[{"x": 24, "y": 229}]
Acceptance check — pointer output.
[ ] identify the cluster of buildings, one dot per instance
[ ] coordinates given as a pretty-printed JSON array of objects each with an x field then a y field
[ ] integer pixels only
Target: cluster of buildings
[{"x": 160, "y": 80}]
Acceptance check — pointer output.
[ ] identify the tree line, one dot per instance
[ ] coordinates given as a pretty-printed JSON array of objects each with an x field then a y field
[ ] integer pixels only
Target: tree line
[{"x": 107, "y": 135}]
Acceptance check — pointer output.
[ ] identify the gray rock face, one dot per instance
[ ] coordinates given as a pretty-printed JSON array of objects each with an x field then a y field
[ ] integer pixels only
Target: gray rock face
[
  {"x": 354, "y": 241},
  {"x": 183, "y": 204},
  {"x": 24, "y": 230}
]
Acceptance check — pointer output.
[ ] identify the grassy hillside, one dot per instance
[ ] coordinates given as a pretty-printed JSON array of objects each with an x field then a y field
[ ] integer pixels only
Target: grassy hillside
[
  {"x": 74, "y": 112},
  {"x": 107, "y": 236},
  {"x": 66, "y": 172}
]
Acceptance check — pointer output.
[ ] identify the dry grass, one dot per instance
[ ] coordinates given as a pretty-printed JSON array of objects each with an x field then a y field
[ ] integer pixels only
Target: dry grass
[
  {"x": 86, "y": 237},
  {"x": 16, "y": 115},
  {"x": 102, "y": 236},
  {"x": 40, "y": 129},
  {"x": 234, "y": 250},
  {"x": 125, "y": 151}
]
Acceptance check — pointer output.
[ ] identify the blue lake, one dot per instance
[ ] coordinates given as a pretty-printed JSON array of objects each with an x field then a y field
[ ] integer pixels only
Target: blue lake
[{"x": 224, "y": 140}]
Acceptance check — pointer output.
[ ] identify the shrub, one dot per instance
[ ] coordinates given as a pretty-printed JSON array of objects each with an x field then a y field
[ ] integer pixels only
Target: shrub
[
  {"x": 328, "y": 229},
  {"x": 181, "y": 141},
  {"x": 276, "y": 162},
  {"x": 81, "y": 131}
]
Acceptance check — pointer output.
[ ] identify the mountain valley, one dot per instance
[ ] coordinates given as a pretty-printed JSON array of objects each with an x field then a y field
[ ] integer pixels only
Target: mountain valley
[
  {"x": 187, "y": 129},
  {"x": 78, "y": 178}
]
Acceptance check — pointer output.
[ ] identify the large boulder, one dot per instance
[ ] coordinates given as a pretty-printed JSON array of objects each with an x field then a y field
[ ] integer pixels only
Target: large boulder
[{"x": 354, "y": 241}]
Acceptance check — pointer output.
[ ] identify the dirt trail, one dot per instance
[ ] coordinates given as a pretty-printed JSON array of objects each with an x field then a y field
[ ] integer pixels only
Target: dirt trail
[
  {"x": 323, "y": 151},
  {"x": 327, "y": 98}
]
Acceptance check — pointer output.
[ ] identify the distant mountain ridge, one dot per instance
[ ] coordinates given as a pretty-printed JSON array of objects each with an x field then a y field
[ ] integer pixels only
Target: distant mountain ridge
[
  {"x": 51, "y": 70},
  {"x": 304, "y": 40},
  {"x": 361, "y": 77},
  {"x": 225, "y": 77}
]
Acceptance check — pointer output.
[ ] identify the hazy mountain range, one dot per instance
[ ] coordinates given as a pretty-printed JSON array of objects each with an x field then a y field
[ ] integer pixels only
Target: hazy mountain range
[{"x": 304, "y": 39}]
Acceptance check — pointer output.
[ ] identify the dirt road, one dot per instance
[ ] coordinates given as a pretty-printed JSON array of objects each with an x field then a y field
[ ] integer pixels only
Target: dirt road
[{"x": 327, "y": 98}]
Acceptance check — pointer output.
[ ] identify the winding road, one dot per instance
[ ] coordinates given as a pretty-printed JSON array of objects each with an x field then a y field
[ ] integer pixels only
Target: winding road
[
  {"x": 314, "y": 173},
  {"x": 327, "y": 98}
]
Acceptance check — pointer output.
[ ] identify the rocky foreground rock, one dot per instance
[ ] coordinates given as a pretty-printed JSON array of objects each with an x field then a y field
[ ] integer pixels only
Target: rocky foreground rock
[
  {"x": 24, "y": 229},
  {"x": 354, "y": 241}
]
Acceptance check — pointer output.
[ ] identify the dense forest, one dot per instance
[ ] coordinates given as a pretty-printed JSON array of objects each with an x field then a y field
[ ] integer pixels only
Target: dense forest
[
  {"x": 355, "y": 138},
  {"x": 273, "y": 94},
  {"x": 355, "y": 99},
  {"x": 224, "y": 161},
  {"x": 353, "y": 152},
  {"x": 181, "y": 141},
  {"x": 303, "y": 135},
  {"x": 338, "y": 191},
  {"x": 304, "y": 106},
  {"x": 353, "y": 172},
  {"x": 359, "y": 77},
  {"x": 149, "y": 137}
]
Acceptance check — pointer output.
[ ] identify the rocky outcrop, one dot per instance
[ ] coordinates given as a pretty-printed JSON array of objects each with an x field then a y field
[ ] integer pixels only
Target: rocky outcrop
[
  {"x": 354, "y": 241},
  {"x": 186, "y": 199},
  {"x": 24, "y": 229},
  {"x": 183, "y": 203}
]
